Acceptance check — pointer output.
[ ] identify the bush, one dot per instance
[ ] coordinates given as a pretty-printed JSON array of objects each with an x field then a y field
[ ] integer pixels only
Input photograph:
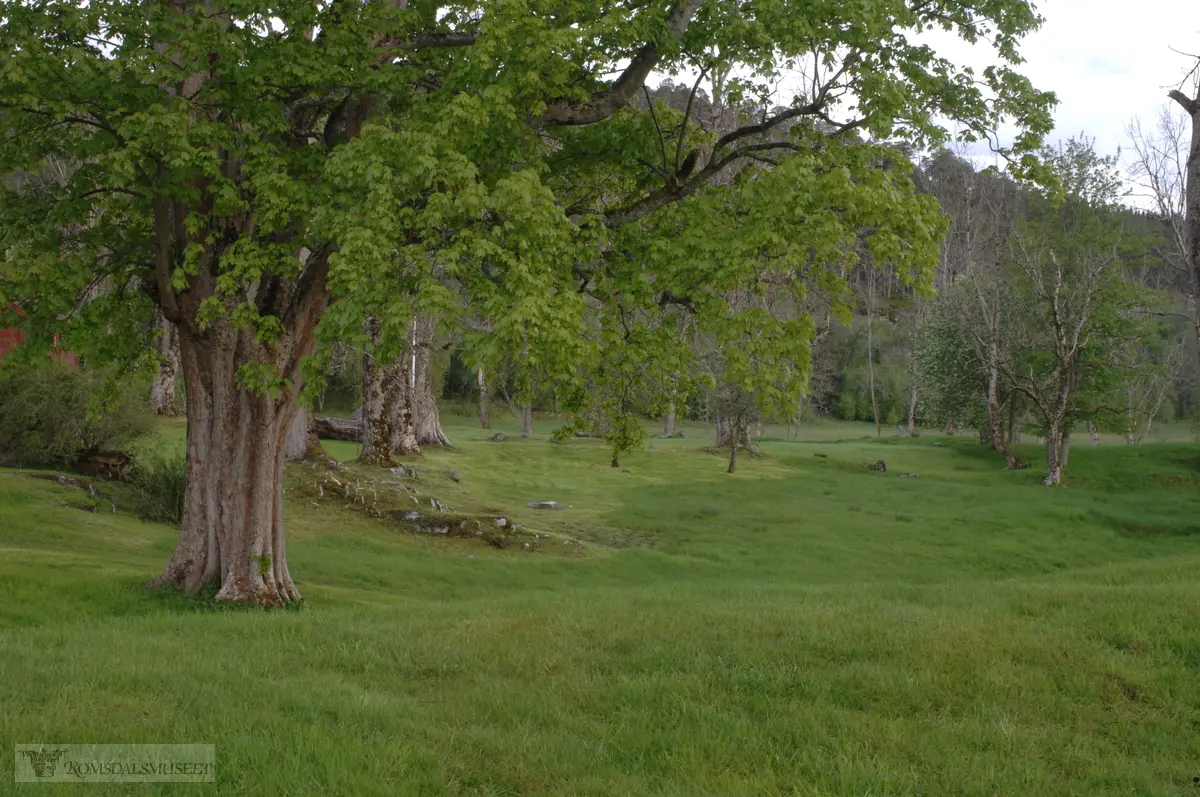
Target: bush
[
  {"x": 51, "y": 415},
  {"x": 159, "y": 484}
]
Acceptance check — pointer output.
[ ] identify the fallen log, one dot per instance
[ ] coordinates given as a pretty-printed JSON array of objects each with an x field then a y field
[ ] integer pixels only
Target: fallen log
[{"x": 338, "y": 429}]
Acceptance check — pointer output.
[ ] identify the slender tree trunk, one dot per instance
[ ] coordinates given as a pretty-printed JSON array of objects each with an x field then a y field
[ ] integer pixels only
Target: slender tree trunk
[
  {"x": 912, "y": 413},
  {"x": 162, "y": 389},
  {"x": 871, "y": 359},
  {"x": 1065, "y": 446},
  {"x": 1054, "y": 441},
  {"x": 485, "y": 421},
  {"x": 1191, "y": 200},
  {"x": 232, "y": 535},
  {"x": 1093, "y": 433},
  {"x": 527, "y": 420},
  {"x": 669, "y": 423},
  {"x": 996, "y": 421}
]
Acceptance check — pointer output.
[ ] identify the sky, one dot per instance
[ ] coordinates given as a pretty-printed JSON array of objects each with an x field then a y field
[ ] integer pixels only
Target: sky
[{"x": 1108, "y": 61}]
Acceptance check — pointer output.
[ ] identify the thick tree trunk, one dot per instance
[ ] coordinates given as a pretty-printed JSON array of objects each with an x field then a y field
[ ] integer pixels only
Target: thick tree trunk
[
  {"x": 732, "y": 459},
  {"x": 427, "y": 424},
  {"x": 527, "y": 421},
  {"x": 162, "y": 389},
  {"x": 379, "y": 388},
  {"x": 296, "y": 444},
  {"x": 485, "y": 421},
  {"x": 232, "y": 535},
  {"x": 1064, "y": 454},
  {"x": 403, "y": 439}
]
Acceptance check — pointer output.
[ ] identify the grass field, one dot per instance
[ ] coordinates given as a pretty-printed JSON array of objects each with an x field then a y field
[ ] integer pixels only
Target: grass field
[{"x": 803, "y": 627}]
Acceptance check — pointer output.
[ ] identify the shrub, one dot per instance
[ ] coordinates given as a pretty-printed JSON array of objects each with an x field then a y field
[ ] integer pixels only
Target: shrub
[
  {"x": 51, "y": 415},
  {"x": 159, "y": 483}
]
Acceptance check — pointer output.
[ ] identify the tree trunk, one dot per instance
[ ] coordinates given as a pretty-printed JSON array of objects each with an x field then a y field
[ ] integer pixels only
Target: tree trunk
[
  {"x": 527, "y": 421},
  {"x": 296, "y": 444},
  {"x": 669, "y": 423},
  {"x": 871, "y": 373},
  {"x": 1065, "y": 447},
  {"x": 996, "y": 421},
  {"x": 379, "y": 394},
  {"x": 1093, "y": 433},
  {"x": 1191, "y": 201},
  {"x": 427, "y": 424},
  {"x": 912, "y": 413},
  {"x": 733, "y": 449},
  {"x": 1054, "y": 442},
  {"x": 338, "y": 429},
  {"x": 162, "y": 389},
  {"x": 403, "y": 439},
  {"x": 485, "y": 421},
  {"x": 232, "y": 535}
]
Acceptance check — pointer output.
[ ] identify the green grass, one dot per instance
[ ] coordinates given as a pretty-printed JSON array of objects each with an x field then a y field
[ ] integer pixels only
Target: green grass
[{"x": 804, "y": 627}]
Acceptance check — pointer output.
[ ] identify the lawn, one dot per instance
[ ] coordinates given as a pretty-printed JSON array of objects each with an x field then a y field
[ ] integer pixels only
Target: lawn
[{"x": 803, "y": 627}]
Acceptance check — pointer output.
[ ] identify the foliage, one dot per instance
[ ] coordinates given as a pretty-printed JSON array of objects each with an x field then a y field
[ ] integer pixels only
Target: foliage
[
  {"x": 159, "y": 482},
  {"x": 953, "y": 379},
  {"x": 50, "y": 415}
]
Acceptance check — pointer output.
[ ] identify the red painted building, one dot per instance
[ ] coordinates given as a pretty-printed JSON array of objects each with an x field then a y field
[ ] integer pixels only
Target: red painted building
[{"x": 11, "y": 338}]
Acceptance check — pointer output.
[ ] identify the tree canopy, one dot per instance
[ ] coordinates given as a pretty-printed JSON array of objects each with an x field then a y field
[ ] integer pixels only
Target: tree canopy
[{"x": 241, "y": 165}]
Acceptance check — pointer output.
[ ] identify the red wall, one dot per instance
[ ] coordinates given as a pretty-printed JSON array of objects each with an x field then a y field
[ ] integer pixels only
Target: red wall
[{"x": 11, "y": 338}]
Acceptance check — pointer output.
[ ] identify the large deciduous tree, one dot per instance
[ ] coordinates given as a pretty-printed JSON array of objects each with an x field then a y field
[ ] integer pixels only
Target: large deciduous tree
[{"x": 240, "y": 165}]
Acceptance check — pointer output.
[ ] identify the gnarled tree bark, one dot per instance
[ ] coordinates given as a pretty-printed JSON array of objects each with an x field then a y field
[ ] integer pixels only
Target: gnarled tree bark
[
  {"x": 232, "y": 536},
  {"x": 379, "y": 393}
]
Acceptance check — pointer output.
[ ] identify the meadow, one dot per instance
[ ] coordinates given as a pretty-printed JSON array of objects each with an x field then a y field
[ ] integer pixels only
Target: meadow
[{"x": 803, "y": 627}]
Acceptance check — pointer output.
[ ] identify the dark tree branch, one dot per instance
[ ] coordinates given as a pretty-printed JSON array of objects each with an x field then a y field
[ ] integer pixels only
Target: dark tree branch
[{"x": 609, "y": 100}]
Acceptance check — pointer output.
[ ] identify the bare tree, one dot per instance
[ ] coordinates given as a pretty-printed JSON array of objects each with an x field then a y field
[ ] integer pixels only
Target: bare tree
[{"x": 1160, "y": 172}]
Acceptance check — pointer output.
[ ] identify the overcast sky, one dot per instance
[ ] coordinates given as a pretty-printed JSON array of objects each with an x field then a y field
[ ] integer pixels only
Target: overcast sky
[{"x": 1107, "y": 60}]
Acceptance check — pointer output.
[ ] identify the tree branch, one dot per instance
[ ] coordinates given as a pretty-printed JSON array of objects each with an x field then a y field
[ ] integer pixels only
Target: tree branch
[{"x": 607, "y": 101}]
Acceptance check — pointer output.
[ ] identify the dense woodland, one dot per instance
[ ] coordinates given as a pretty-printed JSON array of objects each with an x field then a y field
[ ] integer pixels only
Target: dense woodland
[{"x": 395, "y": 203}]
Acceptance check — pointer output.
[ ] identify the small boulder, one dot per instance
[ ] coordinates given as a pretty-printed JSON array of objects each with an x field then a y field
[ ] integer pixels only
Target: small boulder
[
  {"x": 547, "y": 505},
  {"x": 909, "y": 475},
  {"x": 501, "y": 522},
  {"x": 498, "y": 437}
]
